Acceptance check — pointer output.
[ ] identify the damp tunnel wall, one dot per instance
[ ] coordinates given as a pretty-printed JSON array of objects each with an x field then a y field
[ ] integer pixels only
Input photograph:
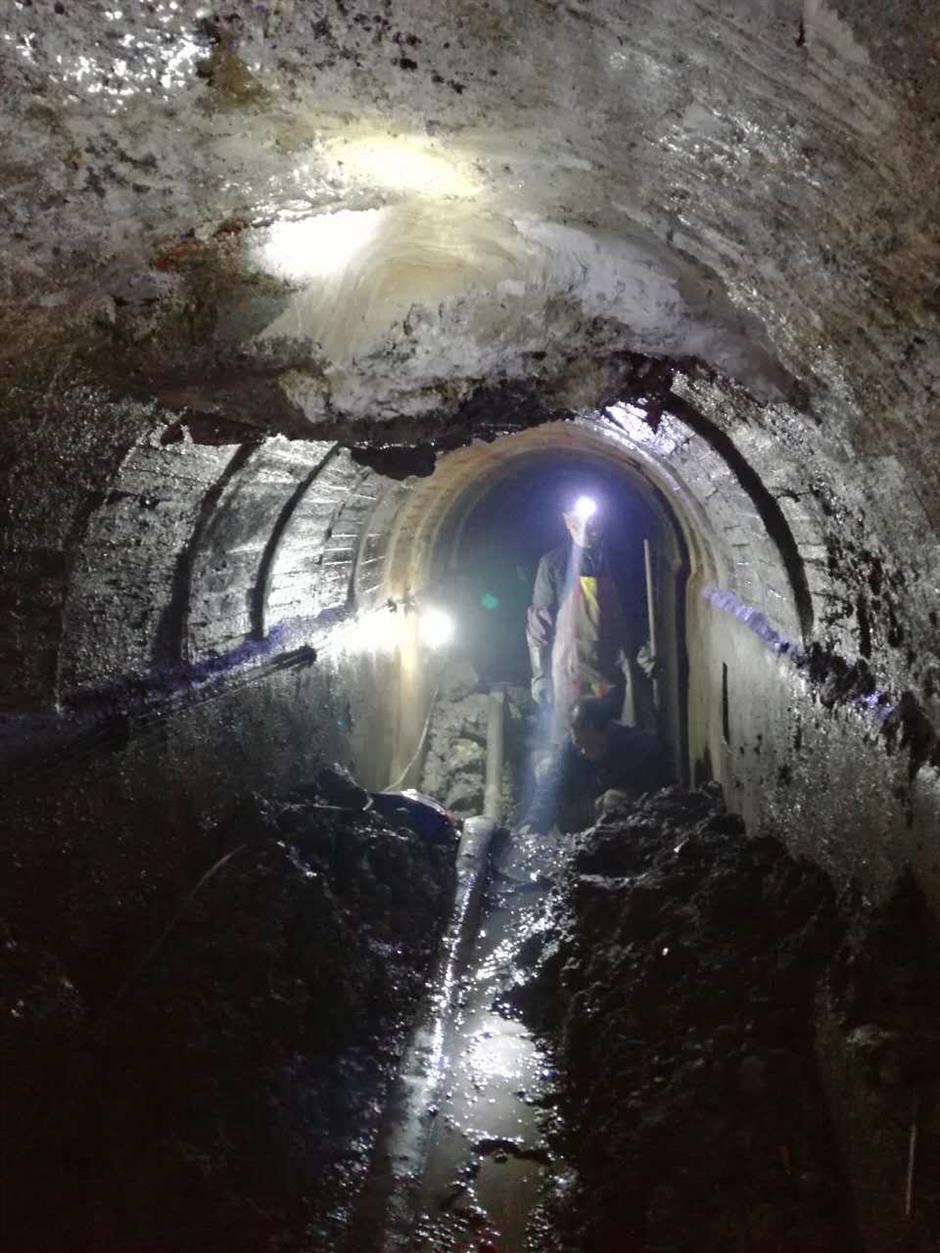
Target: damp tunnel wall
[
  {"x": 202, "y": 621},
  {"x": 216, "y": 617}
]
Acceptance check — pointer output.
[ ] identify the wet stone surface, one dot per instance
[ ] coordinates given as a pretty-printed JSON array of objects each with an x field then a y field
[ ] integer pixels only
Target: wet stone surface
[
  {"x": 673, "y": 974},
  {"x": 489, "y": 1158},
  {"x": 455, "y": 766},
  {"x": 220, "y": 1087}
]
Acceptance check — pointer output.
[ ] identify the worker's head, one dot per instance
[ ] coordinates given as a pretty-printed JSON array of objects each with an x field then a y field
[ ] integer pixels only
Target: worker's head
[
  {"x": 582, "y": 518},
  {"x": 592, "y": 722}
]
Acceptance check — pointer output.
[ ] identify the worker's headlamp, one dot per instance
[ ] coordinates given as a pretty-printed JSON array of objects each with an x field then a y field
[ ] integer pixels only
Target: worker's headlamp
[{"x": 585, "y": 507}]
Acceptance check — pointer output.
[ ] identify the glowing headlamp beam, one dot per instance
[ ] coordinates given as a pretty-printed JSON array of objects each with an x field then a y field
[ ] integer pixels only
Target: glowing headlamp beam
[{"x": 584, "y": 508}]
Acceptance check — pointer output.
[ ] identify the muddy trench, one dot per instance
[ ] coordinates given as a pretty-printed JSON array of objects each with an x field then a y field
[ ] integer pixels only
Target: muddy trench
[
  {"x": 347, "y": 1031},
  {"x": 352, "y": 1034},
  {"x": 636, "y": 1058},
  {"x": 207, "y": 1069}
]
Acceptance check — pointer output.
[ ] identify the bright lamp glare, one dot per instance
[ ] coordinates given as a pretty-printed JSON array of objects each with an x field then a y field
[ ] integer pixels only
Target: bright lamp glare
[
  {"x": 402, "y": 163},
  {"x": 318, "y": 246},
  {"x": 379, "y": 632},
  {"x": 436, "y": 627},
  {"x": 585, "y": 508}
]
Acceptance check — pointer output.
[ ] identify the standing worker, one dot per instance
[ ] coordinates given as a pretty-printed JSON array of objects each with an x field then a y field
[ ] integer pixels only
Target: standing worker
[{"x": 584, "y": 622}]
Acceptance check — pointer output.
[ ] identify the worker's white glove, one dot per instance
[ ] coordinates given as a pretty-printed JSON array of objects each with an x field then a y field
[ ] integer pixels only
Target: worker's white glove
[{"x": 542, "y": 690}]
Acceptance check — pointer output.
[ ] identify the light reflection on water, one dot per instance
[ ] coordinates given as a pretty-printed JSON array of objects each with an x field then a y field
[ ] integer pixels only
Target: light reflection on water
[{"x": 487, "y": 1158}]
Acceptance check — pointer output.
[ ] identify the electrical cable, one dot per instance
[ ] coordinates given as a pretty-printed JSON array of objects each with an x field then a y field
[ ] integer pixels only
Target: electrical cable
[{"x": 392, "y": 787}]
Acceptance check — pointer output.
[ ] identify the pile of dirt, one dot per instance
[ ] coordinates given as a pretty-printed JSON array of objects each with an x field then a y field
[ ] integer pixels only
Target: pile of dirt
[
  {"x": 225, "y": 1093},
  {"x": 885, "y": 988},
  {"x": 674, "y": 977},
  {"x": 455, "y": 765},
  {"x": 880, "y": 1049}
]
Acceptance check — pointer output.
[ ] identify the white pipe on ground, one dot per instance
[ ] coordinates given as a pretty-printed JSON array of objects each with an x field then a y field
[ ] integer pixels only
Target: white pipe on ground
[{"x": 493, "y": 789}]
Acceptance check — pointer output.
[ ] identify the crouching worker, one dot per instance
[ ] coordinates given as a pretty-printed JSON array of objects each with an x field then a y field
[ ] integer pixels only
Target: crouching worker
[{"x": 599, "y": 754}]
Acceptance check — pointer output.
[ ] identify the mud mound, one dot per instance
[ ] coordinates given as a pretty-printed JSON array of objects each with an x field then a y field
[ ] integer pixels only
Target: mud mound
[
  {"x": 226, "y": 1095},
  {"x": 675, "y": 980},
  {"x": 879, "y": 1044}
]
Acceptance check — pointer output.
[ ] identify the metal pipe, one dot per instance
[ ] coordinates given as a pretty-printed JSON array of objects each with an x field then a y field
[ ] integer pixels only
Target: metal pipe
[
  {"x": 493, "y": 790},
  {"x": 651, "y": 613}
]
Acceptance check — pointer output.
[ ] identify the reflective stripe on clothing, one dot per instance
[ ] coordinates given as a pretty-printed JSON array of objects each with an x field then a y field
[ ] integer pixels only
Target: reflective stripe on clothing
[{"x": 588, "y": 651}]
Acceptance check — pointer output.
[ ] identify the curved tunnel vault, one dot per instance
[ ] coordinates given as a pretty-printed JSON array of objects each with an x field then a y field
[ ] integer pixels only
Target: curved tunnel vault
[
  {"x": 205, "y": 561},
  {"x": 268, "y": 266}
]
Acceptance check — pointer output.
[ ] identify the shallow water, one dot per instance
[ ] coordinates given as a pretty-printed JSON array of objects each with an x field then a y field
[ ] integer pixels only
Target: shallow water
[{"x": 487, "y": 1157}]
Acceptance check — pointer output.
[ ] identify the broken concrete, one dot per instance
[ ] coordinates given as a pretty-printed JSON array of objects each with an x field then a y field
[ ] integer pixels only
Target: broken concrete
[{"x": 455, "y": 765}]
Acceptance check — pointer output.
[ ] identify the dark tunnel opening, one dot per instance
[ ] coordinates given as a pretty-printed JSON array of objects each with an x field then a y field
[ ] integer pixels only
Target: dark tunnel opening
[
  {"x": 489, "y": 553},
  {"x": 500, "y": 541}
]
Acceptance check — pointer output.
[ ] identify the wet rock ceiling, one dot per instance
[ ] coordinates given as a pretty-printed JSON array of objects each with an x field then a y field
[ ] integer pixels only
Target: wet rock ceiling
[
  {"x": 416, "y": 221},
  {"x": 308, "y": 212}
]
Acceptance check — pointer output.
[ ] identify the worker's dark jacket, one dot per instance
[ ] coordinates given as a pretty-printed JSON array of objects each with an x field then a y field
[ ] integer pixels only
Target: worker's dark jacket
[
  {"x": 637, "y": 762},
  {"x": 586, "y": 617}
]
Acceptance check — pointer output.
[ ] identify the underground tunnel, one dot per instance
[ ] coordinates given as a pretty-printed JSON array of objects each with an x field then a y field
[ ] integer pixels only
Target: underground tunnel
[{"x": 316, "y": 320}]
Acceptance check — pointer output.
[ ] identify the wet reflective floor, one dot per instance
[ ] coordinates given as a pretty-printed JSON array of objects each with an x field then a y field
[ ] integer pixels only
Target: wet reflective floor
[{"x": 487, "y": 1158}]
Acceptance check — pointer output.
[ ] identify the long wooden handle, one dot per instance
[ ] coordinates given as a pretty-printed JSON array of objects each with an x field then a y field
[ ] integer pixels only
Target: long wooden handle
[{"x": 651, "y": 613}]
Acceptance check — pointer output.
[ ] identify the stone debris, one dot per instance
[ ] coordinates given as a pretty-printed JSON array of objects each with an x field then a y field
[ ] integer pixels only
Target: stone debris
[{"x": 455, "y": 765}]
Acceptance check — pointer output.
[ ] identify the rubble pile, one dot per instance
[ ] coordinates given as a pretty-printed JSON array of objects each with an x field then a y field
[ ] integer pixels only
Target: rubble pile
[
  {"x": 455, "y": 765},
  {"x": 226, "y": 1095},
  {"x": 881, "y": 1053},
  {"x": 675, "y": 976}
]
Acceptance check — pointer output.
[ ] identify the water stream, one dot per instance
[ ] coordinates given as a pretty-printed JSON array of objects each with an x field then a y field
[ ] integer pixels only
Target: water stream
[{"x": 487, "y": 1158}]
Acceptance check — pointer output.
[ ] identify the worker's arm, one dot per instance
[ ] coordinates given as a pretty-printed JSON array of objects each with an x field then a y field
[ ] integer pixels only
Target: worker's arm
[{"x": 540, "y": 628}]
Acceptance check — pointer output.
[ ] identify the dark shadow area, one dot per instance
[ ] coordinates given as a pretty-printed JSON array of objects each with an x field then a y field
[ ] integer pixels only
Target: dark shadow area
[{"x": 204, "y": 1068}]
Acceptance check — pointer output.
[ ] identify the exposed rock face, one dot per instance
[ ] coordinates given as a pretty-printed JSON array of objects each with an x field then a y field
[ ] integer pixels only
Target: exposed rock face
[
  {"x": 454, "y": 769},
  {"x": 515, "y": 191},
  {"x": 217, "y": 1082}
]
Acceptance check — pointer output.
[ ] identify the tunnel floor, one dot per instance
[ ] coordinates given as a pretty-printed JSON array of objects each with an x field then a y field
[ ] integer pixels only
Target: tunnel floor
[
  {"x": 487, "y": 1154},
  {"x": 632, "y": 1034},
  {"x": 633, "y": 1059}
]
